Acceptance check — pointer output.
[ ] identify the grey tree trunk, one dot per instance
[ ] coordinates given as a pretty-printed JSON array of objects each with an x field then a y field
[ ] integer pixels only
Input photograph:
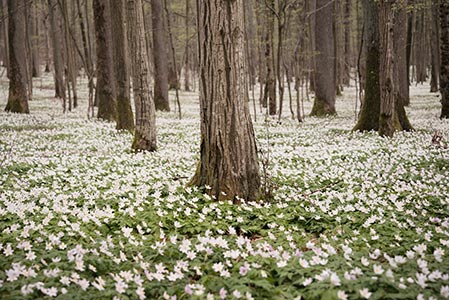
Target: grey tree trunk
[
  {"x": 369, "y": 115},
  {"x": 347, "y": 42},
  {"x": 107, "y": 109},
  {"x": 18, "y": 79},
  {"x": 228, "y": 162},
  {"x": 56, "y": 39},
  {"x": 125, "y": 119},
  {"x": 269, "y": 94},
  {"x": 444, "y": 52},
  {"x": 145, "y": 130},
  {"x": 386, "y": 76},
  {"x": 161, "y": 99},
  {"x": 324, "y": 103},
  {"x": 435, "y": 48}
]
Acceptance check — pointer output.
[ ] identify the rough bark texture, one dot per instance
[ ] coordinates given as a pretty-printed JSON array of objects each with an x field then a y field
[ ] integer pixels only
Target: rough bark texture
[
  {"x": 145, "y": 131},
  {"x": 161, "y": 100},
  {"x": 324, "y": 103},
  {"x": 125, "y": 120},
  {"x": 444, "y": 52},
  {"x": 107, "y": 109},
  {"x": 57, "y": 51},
  {"x": 400, "y": 65},
  {"x": 18, "y": 85},
  {"x": 228, "y": 162},
  {"x": 369, "y": 115},
  {"x": 386, "y": 76}
]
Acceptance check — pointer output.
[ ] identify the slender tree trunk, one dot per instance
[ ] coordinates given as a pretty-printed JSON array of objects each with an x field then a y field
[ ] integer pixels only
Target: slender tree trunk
[
  {"x": 369, "y": 115},
  {"x": 187, "y": 49},
  {"x": 435, "y": 47},
  {"x": 125, "y": 119},
  {"x": 444, "y": 52},
  {"x": 18, "y": 81},
  {"x": 4, "y": 5},
  {"x": 35, "y": 41},
  {"x": 228, "y": 162},
  {"x": 57, "y": 51},
  {"x": 145, "y": 130},
  {"x": 251, "y": 42},
  {"x": 347, "y": 42},
  {"x": 269, "y": 94},
  {"x": 386, "y": 76},
  {"x": 159, "y": 57},
  {"x": 324, "y": 103},
  {"x": 107, "y": 109}
]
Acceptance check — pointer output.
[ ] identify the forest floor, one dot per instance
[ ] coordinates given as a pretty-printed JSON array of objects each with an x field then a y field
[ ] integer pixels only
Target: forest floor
[{"x": 353, "y": 215}]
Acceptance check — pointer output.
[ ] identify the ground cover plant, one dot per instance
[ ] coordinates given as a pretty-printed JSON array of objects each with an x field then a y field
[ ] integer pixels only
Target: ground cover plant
[{"x": 353, "y": 215}]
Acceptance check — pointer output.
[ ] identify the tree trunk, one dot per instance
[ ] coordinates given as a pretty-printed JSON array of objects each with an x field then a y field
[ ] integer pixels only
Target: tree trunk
[
  {"x": 347, "y": 42},
  {"x": 18, "y": 81},
  {"x": 36, "y": 70},
  {"x": 161, "y": 100},
  {"x": 228, "y": 162},
  {"x": 369, "y": 115},
  {"x": 5, "y": 25},
  {"x": 444, "y": 52},
  {"x": 401, "y": 86},
  {"x": 324, "y": 103},
  {"x": 145, "y": 130},
  {"x": 125, "y": 119},
  {"x": 386, "y": 76},
  {"x": 107, "y": 109},
  {"x": 187, "y": 49},
  {"x": 269, "y": 94},
  {"x": 435, "y": 48},
  {"x": 56, "y": 39}
]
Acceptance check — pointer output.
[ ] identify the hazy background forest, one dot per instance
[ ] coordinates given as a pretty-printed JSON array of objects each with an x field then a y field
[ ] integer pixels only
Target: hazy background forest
[{"x": 182, "y": 149}]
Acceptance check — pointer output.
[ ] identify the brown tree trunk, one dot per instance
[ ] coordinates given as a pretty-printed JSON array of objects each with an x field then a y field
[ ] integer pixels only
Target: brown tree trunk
[
  {"x": 56, "y": 39},
  {"x": 444, "y": 52},
  {"x": 161, "y": 100},
  {"x": 125, "y": 119},
  {"x": 369, "y": 115},
  {"x": 324, "y": 103},
  {"x": 18, "y": 81},
  {"x": 435, "y": 48},
  {"x": 400, "y": 65},
  {"x": 228, "y": 162},
  {"x": 347, "y": 42},
  {"x": 35, "y": 41},
  {"x": 5, "y": 25},
  {"x": 107, "y": 109},
  {"x": 269, "y": 94},
  {"x": 386, "y": 76},
  {"x": 145, "y": 130},
  {"x": 187, "y": 49}
]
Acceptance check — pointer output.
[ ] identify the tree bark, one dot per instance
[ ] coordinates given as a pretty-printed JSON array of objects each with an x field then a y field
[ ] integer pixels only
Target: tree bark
[
  {"x": 56, "y": 39},
  {"x": 161, "y": 100},
  {"x": 107, "y": 109},
  {"x": 400, "y": 65},
  {"x": 125, "y": 119},
  {"x": 347, "y": 42},
  {"x": 269, "y": 94},
  {"x": 444, "y": 56},
  {"x": 18, "y": 81},
  {"x": 145, "y": 130},
  {"x": 369, "y": 115},
  {"x": 228, "y": 162},
  {"x": 386, "y": 76},
  {"x": 324, "y": 103},
  {"x": 435, "y": 48}
]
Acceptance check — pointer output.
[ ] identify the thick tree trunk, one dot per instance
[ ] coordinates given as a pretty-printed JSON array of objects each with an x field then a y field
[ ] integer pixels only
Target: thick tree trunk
[
  {"x": 228, "y": 162},
  {"x": 324, "y": 103},
  {"x": 107, "y": 109},
  {"x": 56, "y": 39},
  {"x": 444, "y": 52},
  {"x": 400, "y": 65},
  {"x": 145, "y": 130},
  {"x": 386, "y": 76},
  {"x": 4, "y": 6},
  {"x": 161, "y": 100},
  {"x": 125, "y": 119},
  {"x": 18, "y": 81},
  {"x": 369, "y": 115}
]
